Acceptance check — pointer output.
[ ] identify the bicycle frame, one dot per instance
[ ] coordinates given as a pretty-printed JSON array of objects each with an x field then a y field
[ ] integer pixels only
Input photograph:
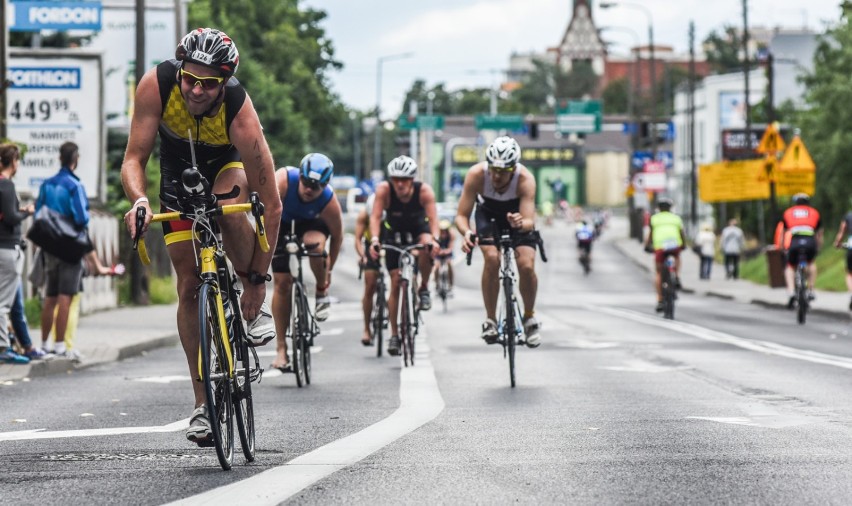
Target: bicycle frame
[{"x": 409, "y": 315}]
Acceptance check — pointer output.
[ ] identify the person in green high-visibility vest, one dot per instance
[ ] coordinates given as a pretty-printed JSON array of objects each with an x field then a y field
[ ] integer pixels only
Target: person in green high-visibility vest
[{"x": 666, "y": 237}]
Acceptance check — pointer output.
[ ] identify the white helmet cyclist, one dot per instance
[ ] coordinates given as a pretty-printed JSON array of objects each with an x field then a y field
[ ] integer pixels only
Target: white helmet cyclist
[
  {"x": 503, "y": 153},
  {"x": 402, "y": 166}
]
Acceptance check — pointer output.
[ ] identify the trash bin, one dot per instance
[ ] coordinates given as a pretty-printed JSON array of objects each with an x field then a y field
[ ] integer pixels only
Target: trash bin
[{"x": 775, "y": 263}]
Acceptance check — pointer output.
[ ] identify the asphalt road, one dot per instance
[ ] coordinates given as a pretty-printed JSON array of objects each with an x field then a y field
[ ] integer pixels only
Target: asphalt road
[{"x": 731, "y": 403}]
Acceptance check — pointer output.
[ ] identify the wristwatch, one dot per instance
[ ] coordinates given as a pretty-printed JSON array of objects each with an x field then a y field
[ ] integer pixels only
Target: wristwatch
[{"x": 257, "y": 278}]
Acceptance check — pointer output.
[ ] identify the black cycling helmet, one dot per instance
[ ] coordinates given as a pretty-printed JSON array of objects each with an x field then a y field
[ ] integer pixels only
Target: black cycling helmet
[
  {"x": 665, "y": 203},
  {"x": 211, "y": 48},
  {"x": 801, "y": 199}
]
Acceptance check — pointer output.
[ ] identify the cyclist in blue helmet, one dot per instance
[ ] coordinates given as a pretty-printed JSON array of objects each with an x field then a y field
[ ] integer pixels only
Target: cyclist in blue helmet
[{"x": 308, "y": 202}]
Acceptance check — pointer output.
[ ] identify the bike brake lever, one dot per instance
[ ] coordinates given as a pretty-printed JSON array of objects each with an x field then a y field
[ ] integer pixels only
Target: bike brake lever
[{"x": 140, "y": 223}]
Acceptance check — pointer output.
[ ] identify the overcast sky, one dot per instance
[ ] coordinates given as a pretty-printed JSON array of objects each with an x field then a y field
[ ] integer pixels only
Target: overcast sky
[{"x": 464, "y": 43}]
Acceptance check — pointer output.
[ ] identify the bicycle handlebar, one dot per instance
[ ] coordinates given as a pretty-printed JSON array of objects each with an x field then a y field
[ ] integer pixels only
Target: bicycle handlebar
[{"x": 254, "y": 206}]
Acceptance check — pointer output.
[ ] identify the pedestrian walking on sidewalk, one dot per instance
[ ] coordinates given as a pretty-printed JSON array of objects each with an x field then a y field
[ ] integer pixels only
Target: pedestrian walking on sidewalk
[
  {"x": 11, "y": 253},
  {"x": 732, "y": 243},
  {"x": 844, "y": 240},
  {"x": 65, "y": 194},
  {"x": 705, "y": 242}
]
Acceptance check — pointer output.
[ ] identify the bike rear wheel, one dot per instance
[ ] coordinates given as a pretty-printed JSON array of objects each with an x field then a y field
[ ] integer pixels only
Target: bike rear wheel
[
  {"x": 405, "y": 325},
  {"x": 215, "y": 374},
  {"x": 668, "y": 288},
  {"x": 801, "y": 295},
  {"x": 380, "y": 311},
  {"x": 243, "y": 404},
  {"x": 509, "y": 329}
]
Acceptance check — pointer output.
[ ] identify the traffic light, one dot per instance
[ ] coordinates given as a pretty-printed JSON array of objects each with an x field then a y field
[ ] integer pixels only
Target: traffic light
[{"x": 533, "y": 130}]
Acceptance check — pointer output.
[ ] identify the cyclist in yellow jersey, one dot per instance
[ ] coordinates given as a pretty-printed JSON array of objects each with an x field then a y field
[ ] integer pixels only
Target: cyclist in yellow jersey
[
  {"x": 666, "y": 237},
  {"x": 197, "y": 91}
]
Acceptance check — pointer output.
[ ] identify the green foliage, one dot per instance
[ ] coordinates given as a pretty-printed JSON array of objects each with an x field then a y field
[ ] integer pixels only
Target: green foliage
[
  {"x": 32, "y": 308},
  {"x": 285, "y": 59},
  {"x": 723, "y": 50},
  {"x": 163, "y": 291},
  {"x": 576, "y": 84},
  {"x": 615, "y": 96},
  {"x": 826, "y": 125},
  {"x": 830, "y": 262}
]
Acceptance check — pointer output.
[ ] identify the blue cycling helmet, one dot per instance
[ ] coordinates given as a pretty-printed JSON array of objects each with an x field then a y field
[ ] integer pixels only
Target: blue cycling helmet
[{"x": 316, "y": 167}]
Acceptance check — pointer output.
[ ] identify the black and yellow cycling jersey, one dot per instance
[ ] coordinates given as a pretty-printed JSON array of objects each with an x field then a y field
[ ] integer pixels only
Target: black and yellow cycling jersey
[{"x": 214, "y": 152}]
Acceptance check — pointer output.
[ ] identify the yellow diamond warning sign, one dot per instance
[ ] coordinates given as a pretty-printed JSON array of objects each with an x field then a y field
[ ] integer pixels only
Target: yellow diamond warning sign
[{"x": 797, "y": 158}]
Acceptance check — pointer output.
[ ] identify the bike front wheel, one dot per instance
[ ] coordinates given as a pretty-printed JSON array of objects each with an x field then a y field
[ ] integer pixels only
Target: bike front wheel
[
  {"x": 216, "y": 374},
  {"x": 243, "y": 404},
  {"x": 297, "y": 336}
]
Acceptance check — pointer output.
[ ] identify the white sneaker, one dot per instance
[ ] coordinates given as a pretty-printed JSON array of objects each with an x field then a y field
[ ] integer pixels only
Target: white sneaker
[
  {"x": 531, "y": 327},
  {"x": 72, "y": 355},
  {"x": 261, "y": 330},
  {"x": 322, "y": 308},
  {"x": 199, "y": 427}
]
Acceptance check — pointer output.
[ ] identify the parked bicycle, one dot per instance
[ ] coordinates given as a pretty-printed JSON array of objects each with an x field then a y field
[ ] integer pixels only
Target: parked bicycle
[
  {"x": 227, "y": 365},
  {"x": 303, "y": 325},
  {"x": 409, "y": 311}
]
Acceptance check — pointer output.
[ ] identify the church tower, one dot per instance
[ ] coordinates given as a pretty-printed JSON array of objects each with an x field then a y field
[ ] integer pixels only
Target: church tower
[{"x": 581, "y": 41}]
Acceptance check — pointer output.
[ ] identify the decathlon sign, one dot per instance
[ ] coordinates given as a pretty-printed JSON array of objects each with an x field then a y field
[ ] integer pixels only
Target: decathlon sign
[
  {"x": 52, "y": 78},
  {"x": 48, "y": 15}
]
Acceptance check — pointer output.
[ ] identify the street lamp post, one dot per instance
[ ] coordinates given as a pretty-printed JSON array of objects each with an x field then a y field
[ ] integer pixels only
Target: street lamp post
[
  {"x": 377, "y": 149},
  {"x": 647, "y": 12},
  {"x": 356, "y": 145}
]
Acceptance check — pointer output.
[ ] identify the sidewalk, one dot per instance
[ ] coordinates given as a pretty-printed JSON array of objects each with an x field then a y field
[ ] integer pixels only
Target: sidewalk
[
  {"x": 834, "y": 304},
  {"x": 106, "y": 336}
]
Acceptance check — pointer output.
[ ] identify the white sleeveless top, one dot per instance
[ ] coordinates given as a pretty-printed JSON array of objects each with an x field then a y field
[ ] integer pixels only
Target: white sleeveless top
[{"x": 511, "y": 191}]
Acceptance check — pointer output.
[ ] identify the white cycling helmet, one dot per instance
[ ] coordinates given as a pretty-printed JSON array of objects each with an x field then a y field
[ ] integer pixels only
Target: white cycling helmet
[
  {"x": 504, "y": 152},
  {"x": 402, "y": 166}
]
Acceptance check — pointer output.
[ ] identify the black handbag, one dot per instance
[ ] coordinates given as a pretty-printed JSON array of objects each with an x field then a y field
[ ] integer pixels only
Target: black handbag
[{"x": 58, "y": 235}]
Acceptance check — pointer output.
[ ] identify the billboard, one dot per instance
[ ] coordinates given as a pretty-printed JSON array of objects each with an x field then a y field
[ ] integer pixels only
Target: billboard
[{"x": 56, "y": 97}]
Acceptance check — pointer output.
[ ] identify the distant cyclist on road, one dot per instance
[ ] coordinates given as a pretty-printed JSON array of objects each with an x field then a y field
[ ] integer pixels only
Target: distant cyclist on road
[
  {"x": 411, "y": 217},
  {"x": 197, "y": 91},
  {"x": 585, "y": 234},
  {"x": 309, "y": 202},
  {"x": 845, "y": 234},
  {"x": 446, "y": 240},
  {"x": 799, "y": 230},
  {"x": 503, "y": 190},
  {"x": 665, "y": 238}
]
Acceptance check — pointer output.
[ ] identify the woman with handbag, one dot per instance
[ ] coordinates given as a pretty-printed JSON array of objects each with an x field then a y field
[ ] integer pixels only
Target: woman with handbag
[{"x": 11, "y": 255}]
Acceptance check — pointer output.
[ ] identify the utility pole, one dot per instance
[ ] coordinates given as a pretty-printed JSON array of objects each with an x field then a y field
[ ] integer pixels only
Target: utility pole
[
  {"x": 770, "y": 117},
  {"x": 761, "y": 226},
  {"x": 138, "y": 277},
  {"x": 693, "y": 190},
  {"x": 4, "y": 45}
]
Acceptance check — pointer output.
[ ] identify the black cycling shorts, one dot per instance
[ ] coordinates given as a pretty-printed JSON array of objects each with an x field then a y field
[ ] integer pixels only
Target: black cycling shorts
[
  {"x": 280, "y": 259},
  {"x": 849, "y": 260},
  {"x": 484, "y": 230},
  {"x": 805, "y": 243}
]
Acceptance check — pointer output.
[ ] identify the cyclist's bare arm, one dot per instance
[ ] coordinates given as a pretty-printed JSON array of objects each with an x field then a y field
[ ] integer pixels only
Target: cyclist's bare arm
[
  {"x": 841, "y": 232},
  {"x": 140, "y": 144},
  {"x": 332, "y": 215},
  {"x": 379, "y": 205},
  {"x": 247, "y": 136},
  {"x": 362, "y": 223},
  {"x": 473, "y": 182},
  {"x": 524, "y": 219},
  {"x": 427, "y": 200}
]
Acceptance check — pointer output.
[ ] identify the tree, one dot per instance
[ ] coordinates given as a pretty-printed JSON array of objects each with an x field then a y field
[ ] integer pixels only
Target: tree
[
  {"x": 826, "y": 124},
  {"x": 723, "y": 50},
  {"x": 285, "y": 59},
  {"x": 576, "y": 84},
  {"x": 615, "y": 96}
]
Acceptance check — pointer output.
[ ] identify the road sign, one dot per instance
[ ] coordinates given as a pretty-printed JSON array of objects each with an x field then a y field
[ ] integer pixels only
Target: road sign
[
  {"x": 649, "y": 181},
  {"x": 27, "y": 16},
  {"x": 425, "y": 122},
  {"x": 791, "y": 182},
  {"x": 733, "y": 181},
  {"x": 797, "y": 158},
  {"x": 406, "y": 122},
  {"x": 638, "y": 159},
  {"x": 771, "y": 142},
  {"x": 584, "y": 116},
  {"x": 499, "y": 122}
]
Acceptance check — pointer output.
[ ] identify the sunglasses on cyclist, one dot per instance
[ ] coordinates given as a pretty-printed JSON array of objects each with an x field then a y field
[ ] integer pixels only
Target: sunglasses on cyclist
[
  {"x": 311, "y": 184},
  {"x": 206, "y": 83},
  {"x": 502, "y": 169}
]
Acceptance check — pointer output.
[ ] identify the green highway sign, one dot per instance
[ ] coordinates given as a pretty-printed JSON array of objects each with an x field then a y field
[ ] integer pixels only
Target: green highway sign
[
  {"x": 424, "y": 122},
  {"x": 499, "y": 122},
  {"x": 579, "y": 116}
]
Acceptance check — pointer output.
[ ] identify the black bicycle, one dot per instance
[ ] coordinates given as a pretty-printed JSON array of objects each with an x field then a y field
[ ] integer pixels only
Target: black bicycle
[
  {"x": 227, "y": 365},
  {"x": 803, "y": 300},
  {"x": 408, "y": 324},
  {"x": 303, "y": 325},
  {"x": 379, "y": 318},
  {"x": 510, "y": 327},
  {"x": 668, "y": 281}
]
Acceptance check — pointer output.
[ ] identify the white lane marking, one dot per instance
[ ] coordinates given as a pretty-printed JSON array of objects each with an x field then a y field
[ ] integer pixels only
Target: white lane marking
[
  {"x": 332, "y": 332},
  {"x": 585, "y": 344},
  {"x": 766, "y": 347},
  {"x": 770, "y": 421},
  {"x": 642, "y": 366},
  {"x": 22, "y": 435},
  {"x": 162, "y": 379},
  {"x": 420, "y": 402}
]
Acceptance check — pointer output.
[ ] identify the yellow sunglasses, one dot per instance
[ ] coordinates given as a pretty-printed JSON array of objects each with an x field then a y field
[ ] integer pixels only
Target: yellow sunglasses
[{"x": 206, "y": 83}]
